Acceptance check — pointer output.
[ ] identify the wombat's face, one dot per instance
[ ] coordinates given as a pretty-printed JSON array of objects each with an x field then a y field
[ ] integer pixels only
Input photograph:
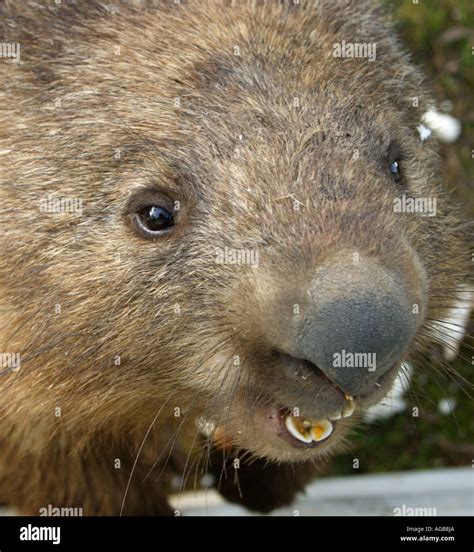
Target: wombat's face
[
  {"x": 276, "y": 281},
  {"x": 247, "y": 252}
]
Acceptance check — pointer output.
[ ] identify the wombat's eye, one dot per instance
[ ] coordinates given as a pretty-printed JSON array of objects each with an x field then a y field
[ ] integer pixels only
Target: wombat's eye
[
  {"x": 395, "y": 170},
  {"x": 153, "y": 220},
  {"x": 394, "y": 156},
  {"x": 151, "y": 213}
]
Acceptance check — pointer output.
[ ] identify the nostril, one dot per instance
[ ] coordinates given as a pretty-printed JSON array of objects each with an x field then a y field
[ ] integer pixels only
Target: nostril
[
  {"x": 300, "y": 367},
  {"x": 309, "y": 372}
]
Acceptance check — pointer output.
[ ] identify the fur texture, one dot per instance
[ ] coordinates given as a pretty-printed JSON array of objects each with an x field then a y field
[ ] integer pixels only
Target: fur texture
[{"x": 239, "y": 111}]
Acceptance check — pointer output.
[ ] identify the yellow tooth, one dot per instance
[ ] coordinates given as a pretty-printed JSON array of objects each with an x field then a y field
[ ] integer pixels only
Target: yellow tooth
[
  {"x": 296, "y": 428},
  {"x": 348, "y": 409},
  {"x": 321, "y": 430},
  {"x": 348, "y": 397}
]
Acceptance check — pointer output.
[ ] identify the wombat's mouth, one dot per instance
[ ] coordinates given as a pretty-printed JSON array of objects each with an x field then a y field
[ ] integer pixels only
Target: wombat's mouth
[
  {"x": 270, "y": 429},
  {"x": 300, "y": 431},
  {"x": 297, "y": 431}
]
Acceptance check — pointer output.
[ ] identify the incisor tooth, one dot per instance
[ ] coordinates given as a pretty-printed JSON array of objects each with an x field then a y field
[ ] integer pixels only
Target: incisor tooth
[
  {"x": 321, "y": 430},
  {"x": 308, "y": 431},
  {"x": 296, "y": 429},
  {"x": 348, "y": 409}
]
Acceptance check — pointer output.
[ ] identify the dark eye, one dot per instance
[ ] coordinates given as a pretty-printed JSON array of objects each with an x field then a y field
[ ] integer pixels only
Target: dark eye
[
  {"x": 395, "y": 170},
  {"x": 394, "y": 156},
  {"x": 154, "y": 219}
]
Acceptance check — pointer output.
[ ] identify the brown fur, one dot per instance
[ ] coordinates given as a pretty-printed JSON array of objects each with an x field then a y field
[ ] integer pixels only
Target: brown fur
[{"x": 235, "y": 153}]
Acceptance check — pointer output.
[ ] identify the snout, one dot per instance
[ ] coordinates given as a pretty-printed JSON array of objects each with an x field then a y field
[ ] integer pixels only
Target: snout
[
  {"x": 356, "y": 325},
  {"x": 328, "y": 345}
]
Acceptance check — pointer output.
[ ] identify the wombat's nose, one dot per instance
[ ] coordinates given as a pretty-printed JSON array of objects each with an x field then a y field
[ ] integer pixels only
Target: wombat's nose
[{"x": 357, "y": 325}]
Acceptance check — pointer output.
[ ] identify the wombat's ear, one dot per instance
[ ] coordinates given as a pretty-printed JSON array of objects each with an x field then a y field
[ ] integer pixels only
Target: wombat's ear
[
  {"x": 446, "y": 128},
  {"x": 452, "y": 329}
]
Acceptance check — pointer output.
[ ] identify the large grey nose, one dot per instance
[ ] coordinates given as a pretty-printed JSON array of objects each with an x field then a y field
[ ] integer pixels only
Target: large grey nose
[{"x": 358, "y": 324}]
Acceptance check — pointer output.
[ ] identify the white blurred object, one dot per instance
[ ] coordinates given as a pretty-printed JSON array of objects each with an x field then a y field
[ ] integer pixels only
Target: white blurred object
[
  {"x": 446, "y": 128},
  {"x": 425, "y": 132},
  {"x": 447, "y": 406},
  {"x": 450, "y": 332},
  {"x": 393, "y": 402}
]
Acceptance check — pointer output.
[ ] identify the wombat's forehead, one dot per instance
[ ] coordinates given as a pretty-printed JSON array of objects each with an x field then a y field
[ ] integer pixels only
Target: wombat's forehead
[{"x": 262, "y": 89}]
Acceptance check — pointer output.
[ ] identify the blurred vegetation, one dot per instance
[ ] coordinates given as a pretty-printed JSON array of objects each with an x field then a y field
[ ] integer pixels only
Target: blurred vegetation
[{"x": 440, "y": 36}]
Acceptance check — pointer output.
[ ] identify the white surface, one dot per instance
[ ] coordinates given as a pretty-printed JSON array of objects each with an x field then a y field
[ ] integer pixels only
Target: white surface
[{"x": 450, "y": 491}]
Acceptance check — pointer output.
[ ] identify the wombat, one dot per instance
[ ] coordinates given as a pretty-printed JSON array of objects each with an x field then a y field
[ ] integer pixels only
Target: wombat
[{"x": 223, "y": 229}]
